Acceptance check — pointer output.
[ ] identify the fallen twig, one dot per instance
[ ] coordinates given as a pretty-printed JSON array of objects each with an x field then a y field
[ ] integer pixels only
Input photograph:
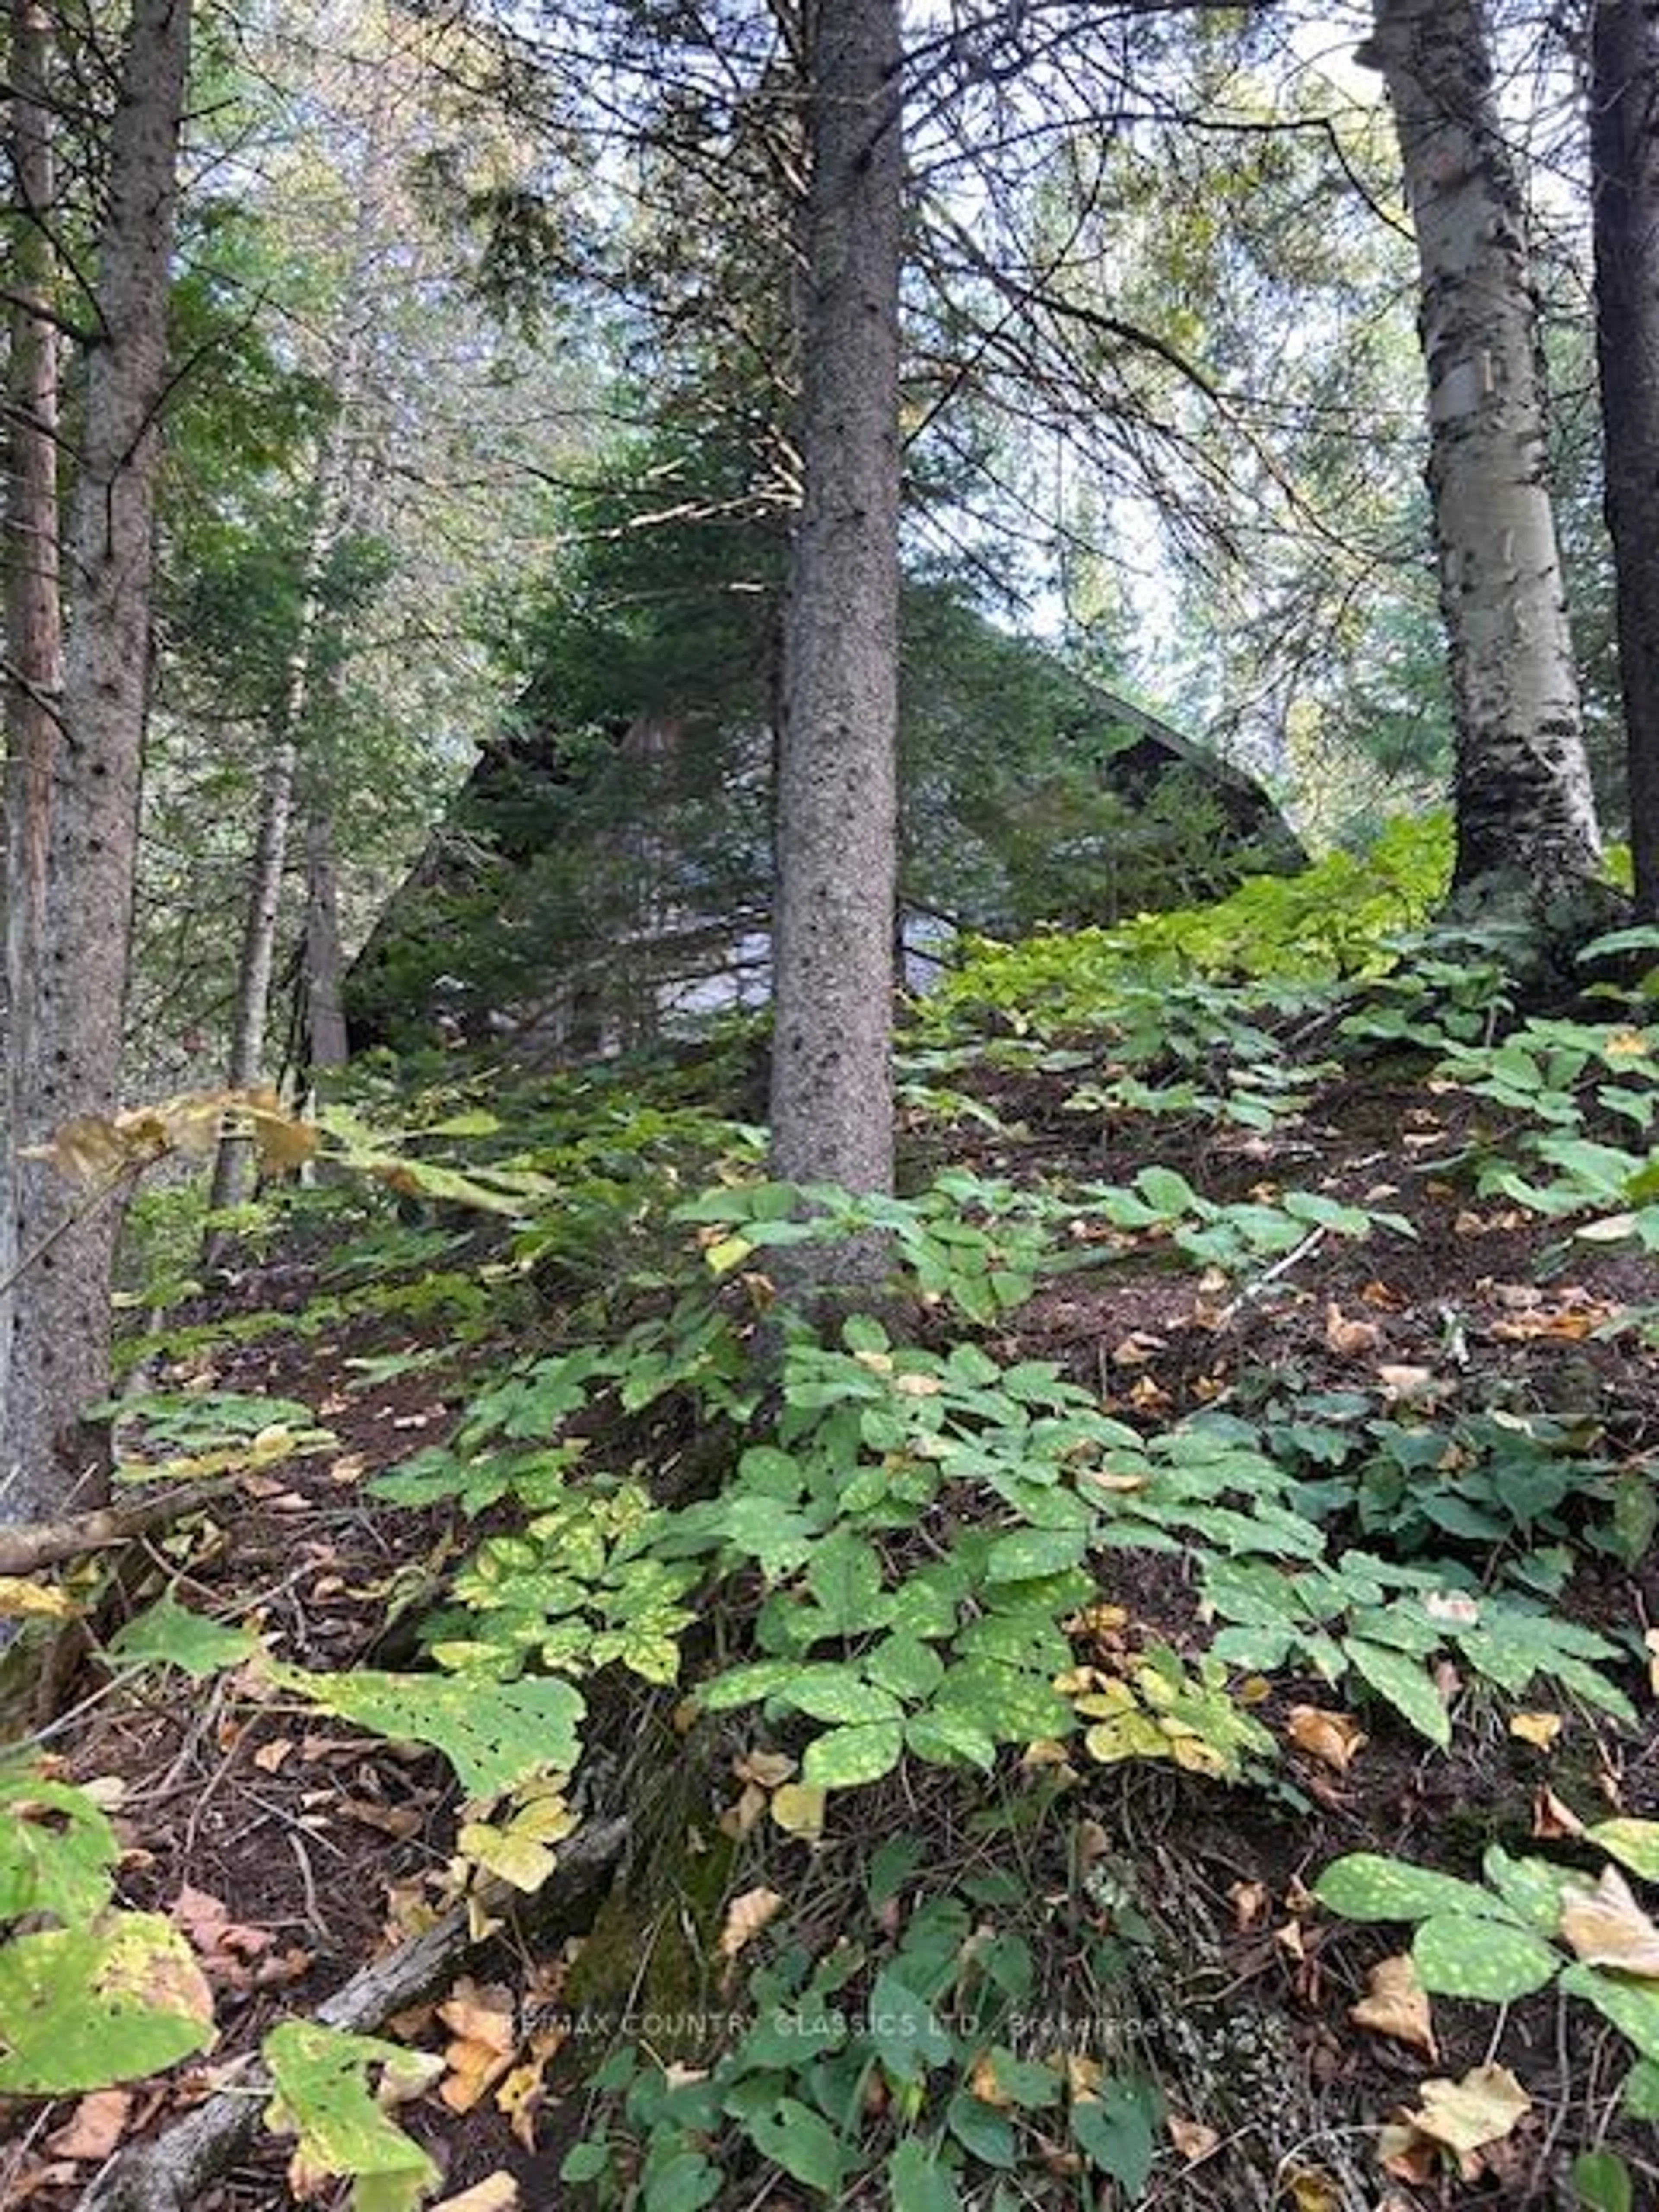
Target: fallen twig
[
  {"x": 47, "y": 1543},
  {"x": 171, "y": 2173}
]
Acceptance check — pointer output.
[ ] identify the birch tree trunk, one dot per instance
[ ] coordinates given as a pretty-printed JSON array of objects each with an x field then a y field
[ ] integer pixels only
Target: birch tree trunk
[
  {"x": 34, "y": 608},
  {"x": 1624, "y": 106},
  {"x": 832, "y": 1116},
  {"x": 1527, "y": 838},
  {"x": 322, "y": 958},
  {"x": 75, "y": 996}
]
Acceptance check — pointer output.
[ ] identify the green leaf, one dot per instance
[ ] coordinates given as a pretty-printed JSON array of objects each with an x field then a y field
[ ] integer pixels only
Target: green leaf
[
  {"x": 849, "y": 1756},
  {"x": 903, "y": 1664},
  {"x": 171, "y": 1635},
  {"x": 494, "y": 1735},
  {"x": 1365, "y": 1886},
  {"x": 797, "y": 2139},
  {"x": 948, "y": 1739},
  {"x": 56, "y": 1849},
  {"x": 1022, "y": 2081},
  {"x": 829, "y": 1692},
  {"x": 1468, "y": 1958},
  {"x": 918, "y": 2182},
  {"x": 684, "y": 2181},
  {"x": 81, "y": 2008},
  {"x": 1115, "y": 2132},
  {"x": 1640, "y": 2096},
  {"x": 907, "y": 2037},
  {"x": 982, "y": 2132},
  {"x": 1632, "y": 2007},
  {"x": 1030, "y": 1553},
  {"x": 1634, "y": 1844},
  {"x": 747, "y": 1685},
  {"x": 322, "y": 2094},
  {"x": 1406, "y": 1686},
  {"x": 586, "y": 2161},
  {"x": 1532, "y": 1889},
  {"x": 1603, "y": 2181}
]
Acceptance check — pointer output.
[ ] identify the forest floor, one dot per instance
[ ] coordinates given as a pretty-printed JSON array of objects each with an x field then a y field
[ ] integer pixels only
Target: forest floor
[{"x": 292, "y": 1849}]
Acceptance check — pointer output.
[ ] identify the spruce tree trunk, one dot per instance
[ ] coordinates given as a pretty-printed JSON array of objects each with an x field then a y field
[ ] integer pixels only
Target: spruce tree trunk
[
  {"x": 1624, "y": 104},
  {"x": 1527, "y": 839},
  {"x": 832, "y": 1116},
  {"x": 34, "y": 608},
  {"x": 70, "y": 1026}
]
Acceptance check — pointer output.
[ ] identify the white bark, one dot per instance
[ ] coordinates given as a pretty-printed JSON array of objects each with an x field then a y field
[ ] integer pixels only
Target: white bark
[{"x": 1526, "y": 819}]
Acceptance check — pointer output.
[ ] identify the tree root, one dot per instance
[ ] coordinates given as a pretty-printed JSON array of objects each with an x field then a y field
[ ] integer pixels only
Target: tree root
[{"x": 170, "y": 2174}]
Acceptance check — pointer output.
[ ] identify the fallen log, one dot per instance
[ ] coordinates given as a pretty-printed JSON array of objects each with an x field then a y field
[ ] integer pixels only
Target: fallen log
[{"x": 171, "y": 2173}]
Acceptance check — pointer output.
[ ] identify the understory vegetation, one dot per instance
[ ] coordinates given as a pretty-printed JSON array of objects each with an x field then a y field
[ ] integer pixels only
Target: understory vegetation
[{"x": 1147, "y": 1712}]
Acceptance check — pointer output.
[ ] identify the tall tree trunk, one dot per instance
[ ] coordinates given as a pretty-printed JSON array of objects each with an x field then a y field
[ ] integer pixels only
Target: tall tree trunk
[
  {"x": 1527, "y": 838},
  {"x": 1624, "y": 106},
  {"x": 322, "y": 960},
  {"x": 34, "y": 608},
  {"x": 832, "y": 1116},
  {"x": 76, "y": 994}
]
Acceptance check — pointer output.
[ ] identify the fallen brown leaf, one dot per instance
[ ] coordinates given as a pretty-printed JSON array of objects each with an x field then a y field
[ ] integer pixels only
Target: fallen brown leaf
[
  {"x": 95, "y": 2127},
  {"x": 1398, "y": 2005},
  {"x": 1336, "y": 1739},
  {"x": 1194, "y": 2139},
  {"x": 745, "y": 1917},
  {"x": 1606, "y": 1927}
]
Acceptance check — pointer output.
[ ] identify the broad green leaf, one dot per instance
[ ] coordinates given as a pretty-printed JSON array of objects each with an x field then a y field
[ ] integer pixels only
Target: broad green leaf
[
  {"x": 849, "y": 1756},
  {"x": 747, "y": 1685},
  {"x": 1031, "y": 1552},
  {"x": 1366, "y": 1886},
  {"x": 1115, "y": 2132},
  {"x": 1632, "y": 2007},
  {"x": 1532, "y": 1889},
  {"x": 1022, "y": 2080},
  {"x": 82, "y": 2008},
  {"x": 1634, "y": 1844},
  {"x": 983, "y": 2131},
  {"x": 829, "y": 1692},
  {"x": 1640, "y": 2096},
  {"x": 1405, "y": 1684},
  {"x": 1603, "y": 2181},
  {"x": 170, "y": 1634},
  {"x": 1468, "y": 1958},
  {"x": 494, "y": 1735},
  {"x": 906, "y": 1666},
  {"x": 919, "y": 2181},
  {"x": 795, "y": 2137},
  {"x": 908, "y": 2038},
  {"x": 56, "y": 1849},
  {"x": 320, "y": 2076},
  {"x": 949, "y": 1739},
  {"x": 684, "y": 2181}
]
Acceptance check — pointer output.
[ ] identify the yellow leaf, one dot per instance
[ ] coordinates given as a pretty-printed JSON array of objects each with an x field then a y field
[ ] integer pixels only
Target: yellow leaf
[
  {"x": 766, "y": 1768},
  {"x": 1398, "y": 2005},
  {"x": 1311, "y": 2189},
  {"x": 22, "y": 1600},
  {"x": 745, "y": 1917},
  {"x": 1539, "y": 1729},
  {"x": 727, "y": 1253},
  {"x": 1606, "y": 1927},
  {"x": 497, "y": 2192},
  {"x": 797, "y": 1809}
]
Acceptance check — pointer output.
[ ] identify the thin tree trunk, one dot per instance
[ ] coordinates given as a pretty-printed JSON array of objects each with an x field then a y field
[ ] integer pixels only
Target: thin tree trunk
[
  {"x": 76, "y": 994},
  {"x": 1623, "y": 103},
  {"x": 34, "y": 606},
  {"x": 326, "y": 1044},
  {"x": 1526, "y": 837},
  {"x": 832, "y": 1117}
]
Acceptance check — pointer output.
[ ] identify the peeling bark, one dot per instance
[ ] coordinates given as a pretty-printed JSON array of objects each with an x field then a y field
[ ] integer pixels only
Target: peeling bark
[
  {"x": 832, "y": 1118},
  {"x": 1526, "y": 837}
]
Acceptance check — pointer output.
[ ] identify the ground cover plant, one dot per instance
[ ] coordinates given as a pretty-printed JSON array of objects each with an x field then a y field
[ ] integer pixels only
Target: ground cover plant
[{"x": 1155, "y": 1709}]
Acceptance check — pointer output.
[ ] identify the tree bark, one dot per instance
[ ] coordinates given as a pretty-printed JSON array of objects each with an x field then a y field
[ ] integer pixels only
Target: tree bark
[
  {"x": 323, "y": 961},
  {"x": 1624, "y": 134},
  {"x": 70, "y": 1026},
  {"x": 1527, "y": 838},
  {"x": 34, "y": 606},
  {"x": 832, "y": 1118}
]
